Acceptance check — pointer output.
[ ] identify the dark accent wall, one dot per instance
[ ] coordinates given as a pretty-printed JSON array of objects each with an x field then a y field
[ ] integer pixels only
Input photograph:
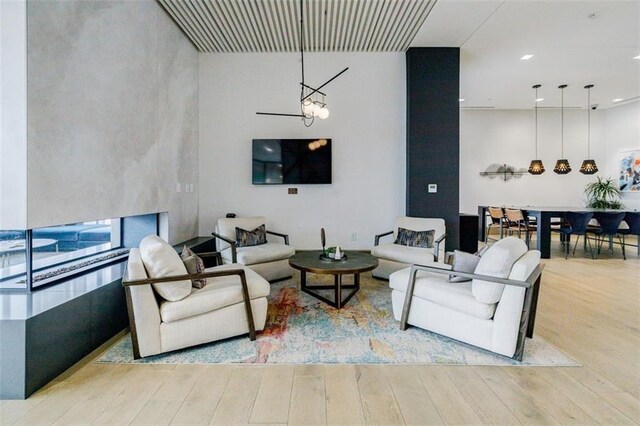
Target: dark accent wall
[{"x": 433, "y": 133}]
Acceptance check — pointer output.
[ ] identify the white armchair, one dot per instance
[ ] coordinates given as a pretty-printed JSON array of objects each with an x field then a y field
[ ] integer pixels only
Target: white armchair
[
  {"x": 270, "y": 260},
  {"x": 494, "y": 311},
  {"x": 166, "y": 313},
  {"x": 394, "y": 257}
]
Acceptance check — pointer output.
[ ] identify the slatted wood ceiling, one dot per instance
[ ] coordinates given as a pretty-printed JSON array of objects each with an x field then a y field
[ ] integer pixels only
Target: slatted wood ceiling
[{"x": 274, "y": 25}]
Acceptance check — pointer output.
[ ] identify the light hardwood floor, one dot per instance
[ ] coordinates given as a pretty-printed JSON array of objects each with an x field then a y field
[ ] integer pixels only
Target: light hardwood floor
[{"x": 590, "y": 309}]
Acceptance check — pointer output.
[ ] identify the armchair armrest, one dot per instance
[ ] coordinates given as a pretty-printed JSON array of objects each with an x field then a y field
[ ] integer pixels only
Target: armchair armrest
[
  {"x": 377, "y": 238},
  {"x": 240, "y": 272},
  {"x": 278, "y": 234},
  {"x": 234, "y": 250},
  {"x": 436, "y": 247}
]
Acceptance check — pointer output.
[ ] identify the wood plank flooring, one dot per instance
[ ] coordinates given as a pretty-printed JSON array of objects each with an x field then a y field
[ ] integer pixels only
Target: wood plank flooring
[{"x": 589, "y": 309}]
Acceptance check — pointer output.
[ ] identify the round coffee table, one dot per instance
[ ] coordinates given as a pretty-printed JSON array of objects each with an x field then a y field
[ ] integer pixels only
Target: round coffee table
[{"x": 355, "y": 263}]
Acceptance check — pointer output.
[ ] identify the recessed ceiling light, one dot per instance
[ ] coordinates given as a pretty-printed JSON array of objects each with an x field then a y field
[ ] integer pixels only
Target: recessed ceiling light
[
  {"x": 461, "y": 100},
  {"x": 636, "y": 57},
  {"x": 617, "y": 100},
  {"x": 525, "y": 57},
  {"x": 539, "y": 99}
]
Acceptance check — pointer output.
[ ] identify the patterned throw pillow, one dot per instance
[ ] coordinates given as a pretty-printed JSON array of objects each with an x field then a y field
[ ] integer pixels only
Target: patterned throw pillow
[
  {"x": 194, "y": 265},
  {"x": 256, "y": 237},
  {"x": 407, "y": 237}
]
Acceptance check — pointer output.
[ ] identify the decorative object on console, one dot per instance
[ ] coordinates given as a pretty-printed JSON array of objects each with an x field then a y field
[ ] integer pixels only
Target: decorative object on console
[
  {"x": 505, "y": 170},
  {"x": 562, "y": 165},
  {"x": 312, "y": 101},
  {"x": 588, "y": 166},
  {"x": 536, "y": 167}
]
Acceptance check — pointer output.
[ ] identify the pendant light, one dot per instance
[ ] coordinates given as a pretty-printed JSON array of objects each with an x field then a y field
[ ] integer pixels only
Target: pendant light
[
  {"x": 536, "y": 167},
  {"x": 588, "y": 166},
  {"x": 562, "y": 165}
]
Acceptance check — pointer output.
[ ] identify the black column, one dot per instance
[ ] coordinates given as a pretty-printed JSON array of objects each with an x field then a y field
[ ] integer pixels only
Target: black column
[{"x": 433, "y": 132}]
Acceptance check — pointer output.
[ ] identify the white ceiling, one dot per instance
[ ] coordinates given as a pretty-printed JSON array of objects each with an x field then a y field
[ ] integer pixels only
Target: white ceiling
[
  {"x": 574, "y": 42},
  {"x": 570, "y": 46}
]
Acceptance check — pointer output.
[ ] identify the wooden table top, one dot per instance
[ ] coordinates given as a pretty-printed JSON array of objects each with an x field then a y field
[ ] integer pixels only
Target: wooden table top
[{"x": 355, "y": 263}]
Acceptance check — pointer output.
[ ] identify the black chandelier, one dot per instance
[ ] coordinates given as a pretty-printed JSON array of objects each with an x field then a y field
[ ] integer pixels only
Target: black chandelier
[
  {"x": 562, "y": 165},
  {"x": 312, "y": 101},
  {"x": 588, "y": 166},
  {"x": 536, "y": 167}
]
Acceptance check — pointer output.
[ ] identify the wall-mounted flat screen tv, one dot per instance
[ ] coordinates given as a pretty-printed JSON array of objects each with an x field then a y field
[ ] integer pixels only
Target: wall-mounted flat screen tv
[{"x": 291, "y": 161}]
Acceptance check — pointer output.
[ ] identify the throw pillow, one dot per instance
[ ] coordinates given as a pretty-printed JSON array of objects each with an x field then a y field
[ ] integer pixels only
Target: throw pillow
[
  {"x": 194, "y": 265},
  {"x": 255, "y": 237},
  {"x": 463, "y": 262},
  {"x": 410, "y": 238}
]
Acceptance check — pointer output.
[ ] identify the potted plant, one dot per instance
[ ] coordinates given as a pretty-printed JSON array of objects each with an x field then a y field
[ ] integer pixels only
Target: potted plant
[{"x": 603, "y": 194}]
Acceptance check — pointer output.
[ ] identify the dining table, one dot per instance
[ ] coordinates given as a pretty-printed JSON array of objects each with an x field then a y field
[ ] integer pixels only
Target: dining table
[{"x": 543, "y": 216}]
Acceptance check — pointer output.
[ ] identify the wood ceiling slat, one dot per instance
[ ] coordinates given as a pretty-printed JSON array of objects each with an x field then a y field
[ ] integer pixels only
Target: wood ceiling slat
[
  {"x": 209, "y": 31},
  {"x": 273, "y": 25},
  {"x": 180, "y": 20},
  {"x": 220, "y": 34},
  {"x": 217, "y": 11},
  {"x": 426, "y": 9}
]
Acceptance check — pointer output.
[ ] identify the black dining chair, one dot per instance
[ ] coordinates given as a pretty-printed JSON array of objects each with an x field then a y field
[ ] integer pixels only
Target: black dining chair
[
  {"x": 576, "y": 223},
  {"x": 632, "y": 219},
  {"x": 608, "y": 227}
]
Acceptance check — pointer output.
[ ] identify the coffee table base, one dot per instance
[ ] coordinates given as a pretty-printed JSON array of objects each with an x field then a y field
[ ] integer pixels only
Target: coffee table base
[{"x": 338, "y": 301}]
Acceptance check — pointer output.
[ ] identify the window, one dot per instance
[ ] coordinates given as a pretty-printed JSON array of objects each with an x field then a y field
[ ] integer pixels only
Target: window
[{"x": 55, "y": 251}]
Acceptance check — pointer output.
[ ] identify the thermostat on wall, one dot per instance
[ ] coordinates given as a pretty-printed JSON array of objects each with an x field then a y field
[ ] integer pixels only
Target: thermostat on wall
[{"x": 432, "y": 188}]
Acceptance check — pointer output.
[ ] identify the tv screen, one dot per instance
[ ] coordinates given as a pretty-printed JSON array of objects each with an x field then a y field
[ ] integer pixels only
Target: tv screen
[{"x": 291, "y": 161}]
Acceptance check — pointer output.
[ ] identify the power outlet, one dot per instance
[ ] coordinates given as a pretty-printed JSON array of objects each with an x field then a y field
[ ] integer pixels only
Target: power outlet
[
  {"x": 293, "y": 191},
  {"x": 354, "y": 236}
]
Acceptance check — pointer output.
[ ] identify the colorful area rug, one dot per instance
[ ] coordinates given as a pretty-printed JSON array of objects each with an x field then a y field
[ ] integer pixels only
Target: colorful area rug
[{"x": 303, "y": 330}]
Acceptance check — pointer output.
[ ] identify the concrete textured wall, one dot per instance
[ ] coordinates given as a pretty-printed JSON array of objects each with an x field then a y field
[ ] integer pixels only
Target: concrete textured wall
[{"x": 112, "y": 114}]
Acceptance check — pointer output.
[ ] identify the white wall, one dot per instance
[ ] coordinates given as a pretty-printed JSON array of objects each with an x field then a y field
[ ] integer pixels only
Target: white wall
[
  {"x": 13, "y": 114},
  {"x": 507, "y": 136},
  {"x": 622, "y": 134},
  {"x": 367, "y": 125},
  {"x": 112, "y": 114}
]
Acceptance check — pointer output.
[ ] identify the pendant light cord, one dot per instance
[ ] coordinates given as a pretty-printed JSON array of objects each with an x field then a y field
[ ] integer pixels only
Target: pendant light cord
[
  {"x": 562, "y": 122},
  {"x": 536, "y": 113},
  {"x": 589, "y": 123}
]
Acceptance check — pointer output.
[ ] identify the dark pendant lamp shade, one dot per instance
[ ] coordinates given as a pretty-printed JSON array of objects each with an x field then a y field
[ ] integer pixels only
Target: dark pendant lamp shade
[
  {"x": 589, "y": 166},
  {"x": 536, "y": 167},
  {"x": 562, "y": 165}
]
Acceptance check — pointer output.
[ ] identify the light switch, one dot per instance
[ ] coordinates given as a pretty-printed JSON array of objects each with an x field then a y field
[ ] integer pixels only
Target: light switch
[{"x": 432, "y": 188}]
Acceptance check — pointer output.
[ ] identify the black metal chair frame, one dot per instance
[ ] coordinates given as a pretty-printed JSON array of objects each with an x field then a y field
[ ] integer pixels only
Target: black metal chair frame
[{"x": 599, "y": 236}]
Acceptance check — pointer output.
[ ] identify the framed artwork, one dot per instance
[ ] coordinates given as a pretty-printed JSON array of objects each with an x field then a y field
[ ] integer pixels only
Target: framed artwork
[{"x": 630, "y": 171}]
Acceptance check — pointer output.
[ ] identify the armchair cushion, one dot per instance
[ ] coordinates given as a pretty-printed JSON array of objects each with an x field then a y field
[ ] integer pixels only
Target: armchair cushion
[
  {"x": 420, "y": 224},
  {"x": 463, "y": 262},
  {"x": 227, "y": 226},
  {"x": 252, "y": 255},
  {"x": 194, "y": 265},
  {"x": 410, "y": 238},
  {"x": 404, "y": 254},
  {"x": 437, "y": 289},
  {"x": 497, "y": 262},
  {"x": 161, "y": 260},
  {"x": 255, "y": 237},
  {"x": 219, "y": 292}
]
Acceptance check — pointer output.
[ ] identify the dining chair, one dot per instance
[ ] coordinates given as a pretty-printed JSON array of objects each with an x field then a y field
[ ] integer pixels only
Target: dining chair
[
  {"x": 608, "y": 227},
  {"x": 632, "y": 219},
  {"x": 497, "y": 221},
  {"x": 575, "y": 223},
  {"x": 517, "y": 219}
]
